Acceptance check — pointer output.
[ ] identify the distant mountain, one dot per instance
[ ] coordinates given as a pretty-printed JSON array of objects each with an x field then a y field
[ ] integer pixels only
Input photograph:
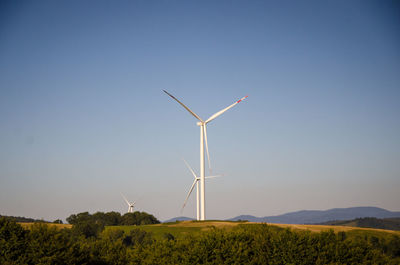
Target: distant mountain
[
  {"x": 369, "y": 222},
  {"x": 181, "y": 218},
  {"x": 312, "y": 217}
]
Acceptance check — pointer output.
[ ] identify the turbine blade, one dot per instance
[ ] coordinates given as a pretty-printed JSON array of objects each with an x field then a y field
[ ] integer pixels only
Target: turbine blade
[
  {"x": 215, "y": 176},
  {"x": 191, "y": 170},
  {"x": 125, "y": 199},
  {"x": 222, "y": 111},
  {"x": 208, "y": 154},
  {"x": 187, "y": 197},
  {"x": 183, "y": 105}
]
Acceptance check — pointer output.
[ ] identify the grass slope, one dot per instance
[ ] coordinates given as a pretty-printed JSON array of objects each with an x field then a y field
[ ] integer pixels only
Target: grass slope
[
  {"x": 179, "y": 229},
  {"x": 369, "y": 222},
  {"x": 182, "y": 228}
]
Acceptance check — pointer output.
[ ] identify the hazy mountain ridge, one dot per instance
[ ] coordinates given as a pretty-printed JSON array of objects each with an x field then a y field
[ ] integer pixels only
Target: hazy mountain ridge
[
  {"x": 299, "y": 217},
  {"x": 320, "y": 216},
  {"x": 313, "y": 216},
  {"x": 180, "y": 218}
]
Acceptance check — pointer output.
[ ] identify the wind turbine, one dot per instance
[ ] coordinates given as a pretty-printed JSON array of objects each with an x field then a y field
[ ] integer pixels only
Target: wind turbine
[
  {"x": 130, "y": 205},
  {"x": 195, "y": 182},
  {"x": 203, "y": 137}
]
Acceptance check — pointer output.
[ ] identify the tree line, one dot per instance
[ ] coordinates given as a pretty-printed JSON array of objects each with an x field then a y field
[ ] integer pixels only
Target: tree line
[
  {"x": 114, "y": 218},
  {"x": 92, "y": 224},
  {"x": 22, "y": 219},
  {"x": 244, "y": 244}
]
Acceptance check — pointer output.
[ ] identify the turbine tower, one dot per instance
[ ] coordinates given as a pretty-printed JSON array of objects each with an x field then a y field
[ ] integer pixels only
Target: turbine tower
[
  {"x": 130, "y": 205},
  {"x": 203, "y": 137},
  {"x": 195, "y": 182}
]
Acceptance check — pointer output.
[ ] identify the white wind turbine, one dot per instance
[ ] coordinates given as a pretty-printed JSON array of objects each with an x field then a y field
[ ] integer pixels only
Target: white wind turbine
[
  {"x": 195, "y": 182},
  {"x": 130, "y": 205},
  {"x": 203, "y": 136}
]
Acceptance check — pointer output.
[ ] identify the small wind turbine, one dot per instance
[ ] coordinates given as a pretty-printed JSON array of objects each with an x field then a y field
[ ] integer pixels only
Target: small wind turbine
[
  {"x": 195, "y": 182},
  {"x": 203, "y": 137},
  {"x": 130, "y": 205}
]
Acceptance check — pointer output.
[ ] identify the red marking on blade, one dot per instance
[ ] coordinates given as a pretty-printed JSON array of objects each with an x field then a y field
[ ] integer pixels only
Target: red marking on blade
[{"x": 241, "y": 99}]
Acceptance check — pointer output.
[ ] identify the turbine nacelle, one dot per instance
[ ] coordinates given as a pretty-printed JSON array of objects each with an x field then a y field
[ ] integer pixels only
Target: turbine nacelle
[
  {"x": 130, "y": 204},
  {"x": 195, "y": 182}
]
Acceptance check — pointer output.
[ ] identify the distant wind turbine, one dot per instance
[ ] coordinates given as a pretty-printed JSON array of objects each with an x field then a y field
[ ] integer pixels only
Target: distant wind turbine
[
  {"x": 130, "y": 205},
  {"x": 195, "y": 182},
  {"x": 203, "y": 137}
]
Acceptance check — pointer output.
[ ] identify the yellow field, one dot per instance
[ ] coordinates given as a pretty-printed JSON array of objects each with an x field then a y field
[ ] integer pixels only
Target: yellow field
[
  {"x": 188, "y": 226},
  {"x": 201, "y": 224},
  {"x": 313, "y": 228},
  {"x": 27, "y": 225},
  {"x": 335, "y": 228}
]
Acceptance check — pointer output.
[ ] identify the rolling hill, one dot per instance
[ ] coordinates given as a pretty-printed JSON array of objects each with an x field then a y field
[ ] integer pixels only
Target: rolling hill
[
  {"x": 183, "y": 228},
  {"x": 313, "y": 216},
  {"x": 368, "y": 222},
  {"x": 180, "y": 218}
]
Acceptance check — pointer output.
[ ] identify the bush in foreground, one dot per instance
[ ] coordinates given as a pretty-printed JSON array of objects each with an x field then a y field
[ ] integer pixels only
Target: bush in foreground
[{"x": 244, "y": 244}]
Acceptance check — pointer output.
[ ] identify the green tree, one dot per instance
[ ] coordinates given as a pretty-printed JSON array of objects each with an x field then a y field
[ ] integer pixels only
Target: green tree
[
  {"x": 139, "y": 218},
  {"x": 13, "y": 242},
  {"x": 113, "y": 218},
  {"x": 80, "y": 217},
  {"x": 51, "y": 245},
  {"x": 89, "y": 228},
  {"x": 138, "y": 237}
]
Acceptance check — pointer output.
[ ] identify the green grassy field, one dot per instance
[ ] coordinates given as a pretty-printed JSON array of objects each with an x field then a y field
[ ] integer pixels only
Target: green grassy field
[
  {"x": 160, "y": 231},
  {"x": 179, "y": 229}
]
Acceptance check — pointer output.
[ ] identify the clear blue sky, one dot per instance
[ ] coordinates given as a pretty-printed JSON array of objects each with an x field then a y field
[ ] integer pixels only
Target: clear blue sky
[{"x": 83, "y": 116}]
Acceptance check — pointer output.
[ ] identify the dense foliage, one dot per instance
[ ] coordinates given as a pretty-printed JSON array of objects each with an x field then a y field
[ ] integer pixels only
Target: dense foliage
[
  {"x": 369, "y": 222},
  {"x": 244, "y": 244},
  {"x": 113, "y": 218},
  {"x": 90, "y": 225}
]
